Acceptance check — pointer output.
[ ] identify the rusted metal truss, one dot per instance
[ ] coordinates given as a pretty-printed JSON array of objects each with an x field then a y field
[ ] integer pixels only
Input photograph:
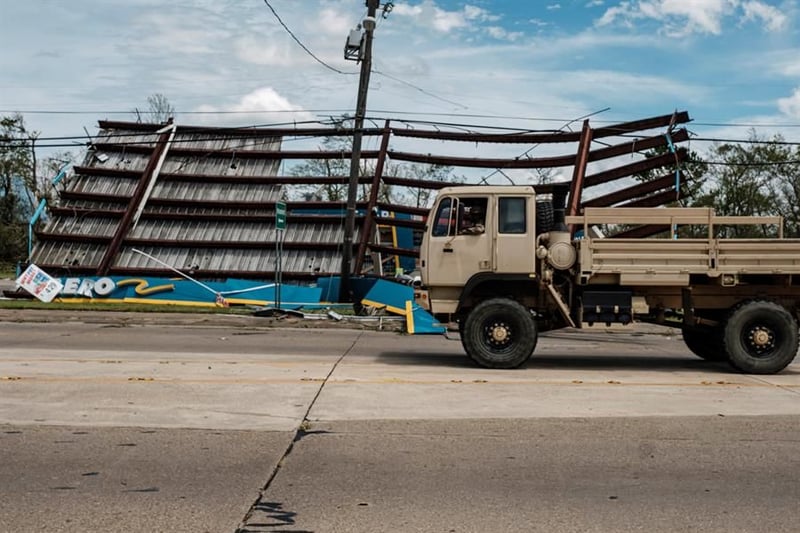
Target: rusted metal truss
[{"x": 628, "y": 164}]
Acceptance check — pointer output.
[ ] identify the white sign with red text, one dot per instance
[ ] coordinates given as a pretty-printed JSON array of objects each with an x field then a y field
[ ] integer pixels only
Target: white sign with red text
[{"x": 37, "y": 282}]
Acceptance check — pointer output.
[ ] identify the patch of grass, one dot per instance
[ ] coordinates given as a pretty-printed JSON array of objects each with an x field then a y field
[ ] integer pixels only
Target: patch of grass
[
  {"x": 8, "y": 271},
  {"x": 137, "y": 308}
]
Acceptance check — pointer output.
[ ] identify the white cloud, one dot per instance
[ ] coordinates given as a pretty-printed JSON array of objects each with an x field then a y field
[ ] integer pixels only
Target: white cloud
[
  {"x": 771, "y": 16},
  {"x": 469, "y": 20},
  {"x": 273, "y": 52},
  {"x": 502, "y": 34},
  {"x": 447, "y": 21},
  {"x": 263, "y": 102},
  {"x": 331, "y": 22},
  {"x": 429, "y": 15},
  {"x": 478, "y": 13},
  {"x": 682, "y": 17},
  {"x": 790, "y": 106}
]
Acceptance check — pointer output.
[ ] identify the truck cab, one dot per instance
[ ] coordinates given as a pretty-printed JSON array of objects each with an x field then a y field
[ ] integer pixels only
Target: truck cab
[{"x": 477, "y": 233}]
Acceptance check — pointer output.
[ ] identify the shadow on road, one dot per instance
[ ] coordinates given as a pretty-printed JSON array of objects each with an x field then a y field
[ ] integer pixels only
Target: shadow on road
[{"x": 655, "y": 363}]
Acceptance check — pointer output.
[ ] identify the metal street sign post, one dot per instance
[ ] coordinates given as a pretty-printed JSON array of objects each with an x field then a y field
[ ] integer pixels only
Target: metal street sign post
[{"x": 280, "y": 227}]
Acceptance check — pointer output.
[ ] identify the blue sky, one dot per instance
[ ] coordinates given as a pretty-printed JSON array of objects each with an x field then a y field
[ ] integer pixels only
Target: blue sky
[{"x": 527, "y": 64}]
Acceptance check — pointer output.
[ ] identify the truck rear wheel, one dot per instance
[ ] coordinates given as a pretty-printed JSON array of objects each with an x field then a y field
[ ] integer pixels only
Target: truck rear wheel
[
  {"x": 760, "y": 337},
  {"x": 705, "y": 342},
  {"x": 499, "y": 333}
]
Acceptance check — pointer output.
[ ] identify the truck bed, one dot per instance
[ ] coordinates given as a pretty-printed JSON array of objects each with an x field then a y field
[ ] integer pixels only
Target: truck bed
[{"x": 670, "y": 261}]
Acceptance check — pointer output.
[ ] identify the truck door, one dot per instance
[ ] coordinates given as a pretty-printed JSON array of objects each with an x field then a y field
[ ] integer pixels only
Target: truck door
[
  {"x": 459, "y": 245},
  {"x": 516, "y": 240}
]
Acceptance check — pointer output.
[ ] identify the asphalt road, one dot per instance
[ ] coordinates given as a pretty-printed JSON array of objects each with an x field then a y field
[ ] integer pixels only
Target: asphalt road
[{"x": 130, "y": 424}]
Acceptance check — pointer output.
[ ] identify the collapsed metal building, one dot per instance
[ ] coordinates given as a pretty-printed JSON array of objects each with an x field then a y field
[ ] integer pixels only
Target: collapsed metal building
[{"x": 152, "y": 197}]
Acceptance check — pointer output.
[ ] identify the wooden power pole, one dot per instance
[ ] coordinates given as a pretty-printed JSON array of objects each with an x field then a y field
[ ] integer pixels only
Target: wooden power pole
[{"x": 355, "y": 162}]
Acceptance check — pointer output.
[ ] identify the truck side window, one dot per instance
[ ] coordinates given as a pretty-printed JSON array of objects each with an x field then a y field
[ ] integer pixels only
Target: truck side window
[
  {"x": 511, "y": 215},
  {"x": 472, "y": 216},
  {"x": 444, "y": 223}
]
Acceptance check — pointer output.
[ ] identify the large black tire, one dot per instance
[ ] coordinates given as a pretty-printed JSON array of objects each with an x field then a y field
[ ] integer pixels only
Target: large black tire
[
  {"x": 760, "y": 337},
  {"x": 544, "y": 217},
  {"x": 499, "y": 333},
  {"x": 705, "y": 342}
]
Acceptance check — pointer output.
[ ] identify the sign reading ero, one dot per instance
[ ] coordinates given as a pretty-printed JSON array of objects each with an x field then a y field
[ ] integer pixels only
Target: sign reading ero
[{"x": 280, "y": 215}]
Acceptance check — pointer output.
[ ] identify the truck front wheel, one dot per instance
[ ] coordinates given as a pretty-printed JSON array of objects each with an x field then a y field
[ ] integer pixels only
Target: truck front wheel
[
  {"x": 760, "y": 337},
  {"x": 499, "y": 333}
]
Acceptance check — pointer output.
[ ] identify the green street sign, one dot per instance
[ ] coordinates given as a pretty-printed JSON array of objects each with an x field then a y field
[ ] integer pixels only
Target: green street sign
[{"x": 280, "y": 215}]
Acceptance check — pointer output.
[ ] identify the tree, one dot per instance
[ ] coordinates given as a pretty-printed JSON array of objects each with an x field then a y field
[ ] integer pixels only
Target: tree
[
  {"x": 692, "y": 170},
  {"x": 416, "y": 196},
  {"x": 757, "y": 178},
  {"x": 47, "y": 169},
  {"x": 327, "y": 168},
  {"x": 17, "y": 183},
  {"x": 159, "y": 109},
  {"x": 340, "y": 167}
]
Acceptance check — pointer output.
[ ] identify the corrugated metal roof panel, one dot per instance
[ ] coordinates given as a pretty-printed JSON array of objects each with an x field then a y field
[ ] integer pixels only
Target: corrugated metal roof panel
[
  {"x": 103, "y": 185},
  {"x": 190, "y": 228},
  {"x": 221, "y": 192},
  {"x": 84, "y": 204},
  {"x": 69, "y": 254},
  {"x": 104, "y": 227},
  {"x": 187, "y": 259},
  {"x": 216, "y": 166},
  {"x": 233, "y": 231}
]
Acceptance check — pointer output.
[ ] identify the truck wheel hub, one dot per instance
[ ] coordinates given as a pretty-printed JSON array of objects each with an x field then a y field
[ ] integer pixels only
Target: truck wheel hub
[
  {"x": 499, "y": 333},
  {"x": 760, "y": 337}
]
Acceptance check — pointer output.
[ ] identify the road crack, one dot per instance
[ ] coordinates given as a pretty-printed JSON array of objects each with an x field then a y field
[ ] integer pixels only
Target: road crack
[{"x": 248, "y": 524}]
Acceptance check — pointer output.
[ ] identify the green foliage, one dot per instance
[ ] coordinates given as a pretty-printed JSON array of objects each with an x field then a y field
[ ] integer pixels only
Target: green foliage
[
  {"x": 761, "y": 178},
  {"x": 122, "y": 307},
  {"x": 13, "y": 243},
  {"x": 17, "y": 179},
  {"x": 693, "y": 168},
  {"x": 16, "y": 163},
  {"x": 334, "y": 192},
  {"x": 418, "y": 197},
  {"x": 337, "y": 192}
]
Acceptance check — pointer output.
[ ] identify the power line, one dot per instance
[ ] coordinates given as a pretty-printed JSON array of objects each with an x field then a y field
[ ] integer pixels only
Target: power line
[
  {"x": 744, "y": 125},
  {"x": 389, "y": 76},
  {"x": 772, "y": 142},
  {"x": 420, "y": 89},
  {"x": 385, "y": 112},
  {"x": 304, "y": 47},
  {"x": 47, "y": 142},
  {"x": 755, "y": 164},
  {"x": 105, "y": 112}
]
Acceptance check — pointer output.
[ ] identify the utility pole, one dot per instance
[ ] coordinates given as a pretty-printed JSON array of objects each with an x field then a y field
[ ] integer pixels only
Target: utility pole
[{"x": 355, "y": 162}]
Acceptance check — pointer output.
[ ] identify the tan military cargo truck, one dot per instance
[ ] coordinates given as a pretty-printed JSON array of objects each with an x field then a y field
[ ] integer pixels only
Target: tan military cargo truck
[{"x": 504, "y": 267}]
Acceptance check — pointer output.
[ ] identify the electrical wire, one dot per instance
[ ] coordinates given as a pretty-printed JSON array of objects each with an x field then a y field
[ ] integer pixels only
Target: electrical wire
[
  {"x": 375, "y": 71},
  {"x": 772, "y": 142},
  {"x": 386, "y": 112},
  {"x": 304, "y": 47},
  {"x": 103, "y": 112},
  {"x": 420, "y": 89},
  {"x": 755, "y": 164}
]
